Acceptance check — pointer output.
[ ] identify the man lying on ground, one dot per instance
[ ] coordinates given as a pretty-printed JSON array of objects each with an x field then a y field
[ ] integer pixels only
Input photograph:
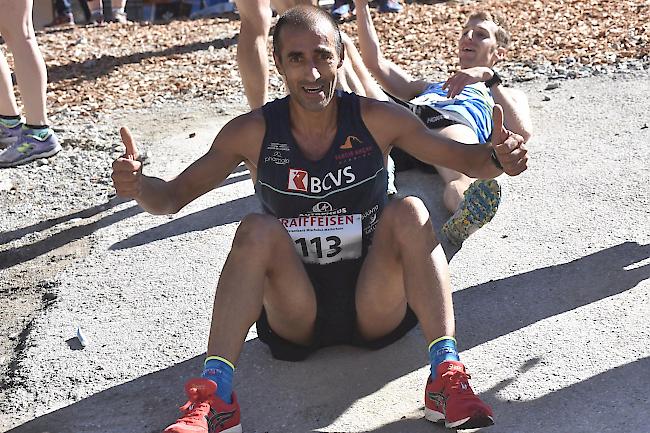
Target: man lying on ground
[{"x": 459, "y": 108}]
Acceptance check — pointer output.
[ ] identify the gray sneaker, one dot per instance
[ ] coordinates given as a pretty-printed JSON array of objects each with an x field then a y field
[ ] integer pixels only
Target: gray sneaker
[
  {"x": 9, "y": 134},
  {"x": 31, "y": 145}
]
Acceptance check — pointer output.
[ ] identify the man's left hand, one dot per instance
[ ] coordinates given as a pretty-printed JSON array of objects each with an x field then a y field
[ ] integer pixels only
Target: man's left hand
[{"x": 508, "y": 146}]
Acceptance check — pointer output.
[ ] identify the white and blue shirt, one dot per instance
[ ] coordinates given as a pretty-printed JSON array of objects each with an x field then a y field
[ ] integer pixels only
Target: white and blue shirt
[{"x": 472, "y": 107}]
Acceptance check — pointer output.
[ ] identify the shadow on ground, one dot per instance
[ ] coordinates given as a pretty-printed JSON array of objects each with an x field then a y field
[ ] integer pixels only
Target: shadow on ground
[
  {"x": 279, "y": 396},
  {"x": 17, "y": 255},
  {"x": 225, "y": 213}
]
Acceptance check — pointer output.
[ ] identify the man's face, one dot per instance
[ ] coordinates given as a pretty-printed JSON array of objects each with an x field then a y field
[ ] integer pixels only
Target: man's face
[
  {"x": 308, "y": 62},
  {"x": 478, "y": 44}
]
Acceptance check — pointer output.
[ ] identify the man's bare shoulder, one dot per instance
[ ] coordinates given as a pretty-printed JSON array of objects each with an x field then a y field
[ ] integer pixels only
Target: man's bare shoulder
[
  {"x": 243, "y": 134},
  {"x": 373, "y": 108},
  {"x": 251, "y": 122},
  {"x": 385, "y": 120}
]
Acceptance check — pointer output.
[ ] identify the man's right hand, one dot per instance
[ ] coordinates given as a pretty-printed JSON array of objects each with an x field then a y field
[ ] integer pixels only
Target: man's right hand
[
  {"x": 127, "y": 170},
  {"x": 508, "y": 147}
]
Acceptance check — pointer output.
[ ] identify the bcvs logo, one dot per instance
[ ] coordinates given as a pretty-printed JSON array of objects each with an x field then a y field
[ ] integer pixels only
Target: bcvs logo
[{"x": 299, "y": 180}]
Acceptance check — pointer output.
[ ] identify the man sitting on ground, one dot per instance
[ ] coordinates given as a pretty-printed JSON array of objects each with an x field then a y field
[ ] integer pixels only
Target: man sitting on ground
[{"x": 331, "y": 260}]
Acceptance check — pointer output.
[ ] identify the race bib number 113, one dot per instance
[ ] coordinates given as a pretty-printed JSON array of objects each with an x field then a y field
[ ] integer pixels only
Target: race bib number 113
[{"x": 326, "y": 238}]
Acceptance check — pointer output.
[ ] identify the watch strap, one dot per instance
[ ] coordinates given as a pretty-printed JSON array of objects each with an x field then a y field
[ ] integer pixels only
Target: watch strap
[
  {"x": 495, "y": 160},
  {"x": 494, "y": 80}
]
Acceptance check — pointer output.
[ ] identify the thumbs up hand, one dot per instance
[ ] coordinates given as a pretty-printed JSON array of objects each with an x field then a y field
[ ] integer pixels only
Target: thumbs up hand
[
  {"x": 127, "y": 170},
  {"x": 508, "y": 147}
]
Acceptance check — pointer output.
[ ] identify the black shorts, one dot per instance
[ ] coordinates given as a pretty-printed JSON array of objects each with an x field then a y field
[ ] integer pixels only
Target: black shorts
[
  {"x": 336, "y": 316},
  {"x": 433, "y": 119}
]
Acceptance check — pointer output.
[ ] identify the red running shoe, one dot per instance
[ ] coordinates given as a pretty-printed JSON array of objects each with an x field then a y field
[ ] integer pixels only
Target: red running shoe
[
  {"x": 449, "y": 398},
  {"x": 205, "y": 412}
]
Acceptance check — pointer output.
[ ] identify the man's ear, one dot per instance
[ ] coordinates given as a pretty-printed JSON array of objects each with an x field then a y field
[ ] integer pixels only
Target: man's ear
[
  {"x": 500, "y": 53},
  {"x": 342, "y": 56},
  {"x": 278, "y": 64}
]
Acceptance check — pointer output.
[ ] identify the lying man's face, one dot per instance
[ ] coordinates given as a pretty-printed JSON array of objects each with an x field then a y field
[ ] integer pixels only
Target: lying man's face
[{"x": 478, "y": 44}]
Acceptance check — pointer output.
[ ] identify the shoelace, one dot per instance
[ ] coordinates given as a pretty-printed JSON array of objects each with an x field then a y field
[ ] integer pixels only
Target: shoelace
[
  {"x": 193, "y": 409},
  {"x": 457, "y": 379}
]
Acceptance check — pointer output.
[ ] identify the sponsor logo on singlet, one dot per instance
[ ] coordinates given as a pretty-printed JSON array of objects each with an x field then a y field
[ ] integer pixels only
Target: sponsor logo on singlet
[
  {"x": 352, "y": 148},
  {"x": 300, "y": 180},
  {"x": 322, "y": 206},
  {"x": 278, "y": 146},
  {"x": 350, "y": 142},
  {"x": 277, "y": 158},
  {"x": 370, "y": 219},
  {"x": 325, "y": 208}
]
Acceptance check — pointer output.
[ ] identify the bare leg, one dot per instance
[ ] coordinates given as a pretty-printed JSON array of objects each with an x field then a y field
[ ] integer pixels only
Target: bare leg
[
  {"x": 252, "y": 50},
  {"x": 280, "y": 6},
  {"x": 456, "y": 183},
  {"x": 96, "y": 8},
  {"x": 405, "y": 264},
  {"x": 8, "y": 106},
  {"x": 254, "y": 277},
  {"x": 17, "y": 29}
]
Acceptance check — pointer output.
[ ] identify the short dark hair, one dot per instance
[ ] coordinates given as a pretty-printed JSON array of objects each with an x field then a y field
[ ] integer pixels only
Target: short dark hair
[{"x": 306, "y": 17}]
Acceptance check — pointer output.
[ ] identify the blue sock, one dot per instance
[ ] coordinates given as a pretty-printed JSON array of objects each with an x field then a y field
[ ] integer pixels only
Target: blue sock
[
  {"x": 440, "y": 350},
  {"x": 220, "y": 371}
]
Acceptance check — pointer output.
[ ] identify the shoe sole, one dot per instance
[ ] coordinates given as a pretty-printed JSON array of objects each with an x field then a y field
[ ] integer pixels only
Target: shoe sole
[
  {"x": 234, "y": 429},
  {"x": 479, "y": 205},
  {"x": 476, "y": 421},
  {"x": 30, "y": 158},
  {"x": 185, "y": 429},
  {"x": 433, "y": 416},
  {"x": 472, "y": 422}
]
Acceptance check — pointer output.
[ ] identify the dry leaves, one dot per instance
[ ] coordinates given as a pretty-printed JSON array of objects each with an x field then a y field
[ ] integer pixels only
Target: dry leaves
[{"x": 99, "y": 69}]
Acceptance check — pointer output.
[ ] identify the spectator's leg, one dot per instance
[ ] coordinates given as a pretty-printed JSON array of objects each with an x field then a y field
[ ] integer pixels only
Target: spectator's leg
[
  {"x": 96, "y": 11},
  {"x": 85, "y": 9},
  {"x": 282, "y": 5},
  {"x": 66, "y": 7},
  {"x": 18, "y": 31},
  {"x": 35, "y": 138},
  {"x": 119, "y": 12},
  {"x": 8, "y": 106}
]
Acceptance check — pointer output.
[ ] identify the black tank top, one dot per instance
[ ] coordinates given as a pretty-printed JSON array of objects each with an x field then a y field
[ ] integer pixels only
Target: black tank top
[{"x": 347, "y": 184}]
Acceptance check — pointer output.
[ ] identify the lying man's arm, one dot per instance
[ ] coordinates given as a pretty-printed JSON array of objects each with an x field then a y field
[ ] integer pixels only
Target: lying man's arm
[
  {"x": 390, "y": 77},
  {"x": 516, "y": 111}
]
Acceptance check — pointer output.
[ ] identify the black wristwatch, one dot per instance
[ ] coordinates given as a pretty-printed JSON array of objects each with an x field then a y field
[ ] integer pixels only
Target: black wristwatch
[
  {"x": 494, "y": 81},
  {"x": 495, "y": 160}
]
